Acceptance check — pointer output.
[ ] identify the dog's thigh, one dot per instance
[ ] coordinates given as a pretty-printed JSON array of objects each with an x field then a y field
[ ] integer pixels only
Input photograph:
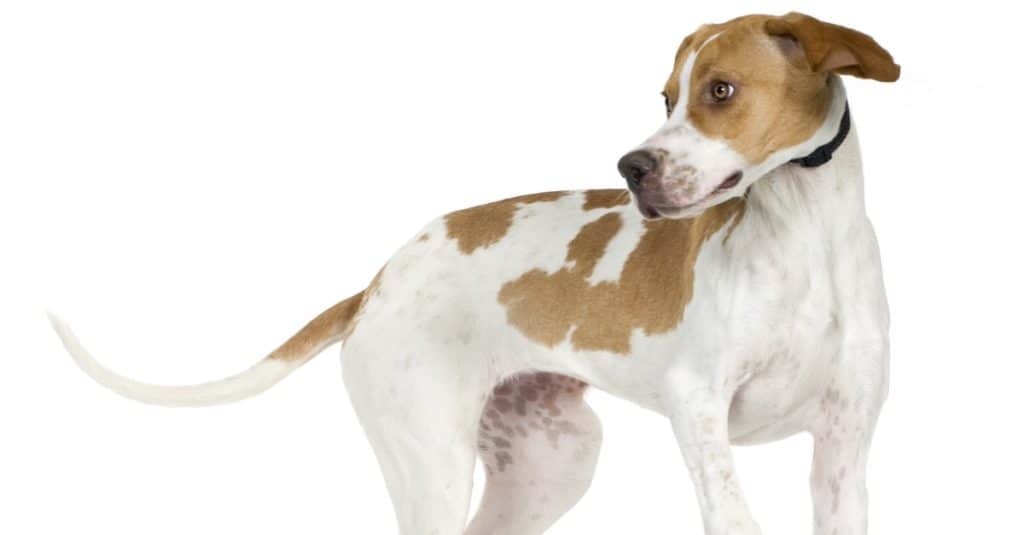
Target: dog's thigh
[
  {"x": 420, "y": 412},
  {"x": 539, "y": 442}
]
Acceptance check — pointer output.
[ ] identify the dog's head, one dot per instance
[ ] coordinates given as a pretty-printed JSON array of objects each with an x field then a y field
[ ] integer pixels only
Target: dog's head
[{"x": 745, "y": 97}]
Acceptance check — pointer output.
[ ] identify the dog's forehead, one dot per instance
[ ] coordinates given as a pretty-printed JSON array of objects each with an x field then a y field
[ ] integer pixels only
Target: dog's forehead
[
  {"x": 775, "y": 90},
  {"x": 735, "y": 35}
]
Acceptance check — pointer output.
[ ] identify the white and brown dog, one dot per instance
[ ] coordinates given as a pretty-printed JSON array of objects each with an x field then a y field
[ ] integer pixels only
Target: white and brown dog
[{"x": 742, "y": 298}]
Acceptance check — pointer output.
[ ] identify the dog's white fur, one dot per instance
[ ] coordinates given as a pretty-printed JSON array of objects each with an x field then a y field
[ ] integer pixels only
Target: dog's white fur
[{"x": 787, "y": 331}]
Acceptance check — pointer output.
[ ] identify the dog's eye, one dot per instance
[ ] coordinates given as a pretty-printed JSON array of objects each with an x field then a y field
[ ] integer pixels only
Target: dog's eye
[
  {"x": 722, "y": 91},
  {"x": 668, "y": 104}
]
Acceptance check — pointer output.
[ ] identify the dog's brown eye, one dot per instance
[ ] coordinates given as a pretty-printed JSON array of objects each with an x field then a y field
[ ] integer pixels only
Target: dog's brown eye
[
  {"x": 668, "y": 104},
  {"x": 722, "y": 91}
]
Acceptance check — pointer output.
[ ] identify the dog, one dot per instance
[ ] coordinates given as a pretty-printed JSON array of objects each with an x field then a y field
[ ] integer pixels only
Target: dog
[{"x": 735, "y": 286}]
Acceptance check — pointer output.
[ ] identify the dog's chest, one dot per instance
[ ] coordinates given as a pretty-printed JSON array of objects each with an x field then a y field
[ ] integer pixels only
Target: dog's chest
[
  {"x": 763, "y": 317},
  {"x": 783, "y": 331},
  {"x": 778, "y": 387}
]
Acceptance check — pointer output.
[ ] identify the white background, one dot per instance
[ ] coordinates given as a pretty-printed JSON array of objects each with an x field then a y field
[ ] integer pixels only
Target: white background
[{"x": 189, "y": 182}]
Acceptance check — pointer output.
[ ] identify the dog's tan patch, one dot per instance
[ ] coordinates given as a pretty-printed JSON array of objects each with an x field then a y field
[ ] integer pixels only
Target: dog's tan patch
[
  {"x": 604, "y": 198},
  {"x": 331, "y": 325},
  {"x": 780, "y": 69},
  {"x": 544, "y": 306},
  {"x": 835, "y": 48},
  {"x": 371, "y": 291},
  {"x": 485, "y": 225},
  {"x": 776, "y": 105},
  {"x": 651, "y": 294},
  {"x": 691, "y": 43}
]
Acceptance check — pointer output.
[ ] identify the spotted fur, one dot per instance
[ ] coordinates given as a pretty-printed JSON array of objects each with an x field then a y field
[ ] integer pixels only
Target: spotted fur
[{"x": 747, "y": 315}]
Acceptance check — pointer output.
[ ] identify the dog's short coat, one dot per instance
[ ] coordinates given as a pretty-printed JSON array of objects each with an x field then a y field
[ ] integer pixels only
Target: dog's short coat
[{"x": 742, "y": 297}]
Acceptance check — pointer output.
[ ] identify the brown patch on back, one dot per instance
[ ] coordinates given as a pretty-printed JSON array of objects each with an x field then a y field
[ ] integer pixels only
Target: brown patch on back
[
  {"x": 485, "y": 225},
  {"x": 604, "y": 198},
  {"x": 651, "y": 294},
  {"x": 545, "y": 305}
]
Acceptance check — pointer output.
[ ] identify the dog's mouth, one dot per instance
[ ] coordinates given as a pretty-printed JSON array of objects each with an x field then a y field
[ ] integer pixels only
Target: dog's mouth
[
  {"x": 729, "y": 182},
  {"x": 651, "y": 209}
]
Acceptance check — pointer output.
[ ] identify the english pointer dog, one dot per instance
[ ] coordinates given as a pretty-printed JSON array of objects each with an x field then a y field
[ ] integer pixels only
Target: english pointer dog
[{"x": 735, "y": 288}]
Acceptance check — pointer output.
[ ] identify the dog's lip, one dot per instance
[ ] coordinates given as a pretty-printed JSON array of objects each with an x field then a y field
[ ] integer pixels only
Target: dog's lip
[
  {"x": 730, "y": 182},
  {"x": 671, "y": 209}
]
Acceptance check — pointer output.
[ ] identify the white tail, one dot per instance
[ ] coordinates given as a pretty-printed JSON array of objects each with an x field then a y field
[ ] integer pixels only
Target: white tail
[{"x": 329, "y": 327}]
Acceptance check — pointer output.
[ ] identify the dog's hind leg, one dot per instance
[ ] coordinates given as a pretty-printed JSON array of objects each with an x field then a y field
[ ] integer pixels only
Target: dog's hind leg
[
  {"x": 421, "y": 417},
  {"x": 539, "y": 441}
]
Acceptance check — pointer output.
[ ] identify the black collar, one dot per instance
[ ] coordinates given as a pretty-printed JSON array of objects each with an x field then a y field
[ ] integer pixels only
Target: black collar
[{"x": 823, "y": 154}]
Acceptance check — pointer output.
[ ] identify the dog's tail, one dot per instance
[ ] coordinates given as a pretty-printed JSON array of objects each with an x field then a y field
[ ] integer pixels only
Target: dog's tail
[{"x": 329, "y": 327}]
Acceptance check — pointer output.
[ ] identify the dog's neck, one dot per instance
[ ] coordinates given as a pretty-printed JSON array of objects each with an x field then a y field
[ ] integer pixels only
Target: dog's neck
[
  {"x": 823, "y": 154},
  {"x": 830, "y": 194}
]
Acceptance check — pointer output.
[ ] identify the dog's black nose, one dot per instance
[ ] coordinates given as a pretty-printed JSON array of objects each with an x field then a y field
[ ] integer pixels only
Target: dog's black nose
[{"x": 637, "y": 165}]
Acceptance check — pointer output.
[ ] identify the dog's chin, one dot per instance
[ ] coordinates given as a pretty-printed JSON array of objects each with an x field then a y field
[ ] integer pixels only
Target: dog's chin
[
  {"x": 674, "y": 212},
  {"x": 686, "y": 212},
  {"x": 652, "y": 211}
]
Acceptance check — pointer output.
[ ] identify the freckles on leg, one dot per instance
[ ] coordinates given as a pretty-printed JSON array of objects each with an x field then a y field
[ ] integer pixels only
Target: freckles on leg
[
  {"x": 539, "y": 442},
  {"x": 700, "y": 420},
  {"x": 838, "y": 473},
  {"x": 838, "y": 488}
]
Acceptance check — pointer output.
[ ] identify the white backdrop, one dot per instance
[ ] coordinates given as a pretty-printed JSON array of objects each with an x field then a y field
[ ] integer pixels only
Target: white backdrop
[{"x": 189, "y": 182}]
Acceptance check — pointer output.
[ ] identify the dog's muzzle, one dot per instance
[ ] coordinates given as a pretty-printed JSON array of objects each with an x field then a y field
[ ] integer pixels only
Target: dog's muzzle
[{"x": 640, "y": 167}]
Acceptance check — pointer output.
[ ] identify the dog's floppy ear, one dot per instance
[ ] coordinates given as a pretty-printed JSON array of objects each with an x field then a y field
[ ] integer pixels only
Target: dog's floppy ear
[{"x": 833, "y": 48}]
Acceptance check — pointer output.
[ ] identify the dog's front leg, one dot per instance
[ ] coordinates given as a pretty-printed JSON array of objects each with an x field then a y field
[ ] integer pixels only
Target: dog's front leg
[
  {"x": 839, "y": 469},
  {"x": 838, "y": 485},
  {"x": 700, "y": 418},
  {"x": 849, "y": 409}
]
